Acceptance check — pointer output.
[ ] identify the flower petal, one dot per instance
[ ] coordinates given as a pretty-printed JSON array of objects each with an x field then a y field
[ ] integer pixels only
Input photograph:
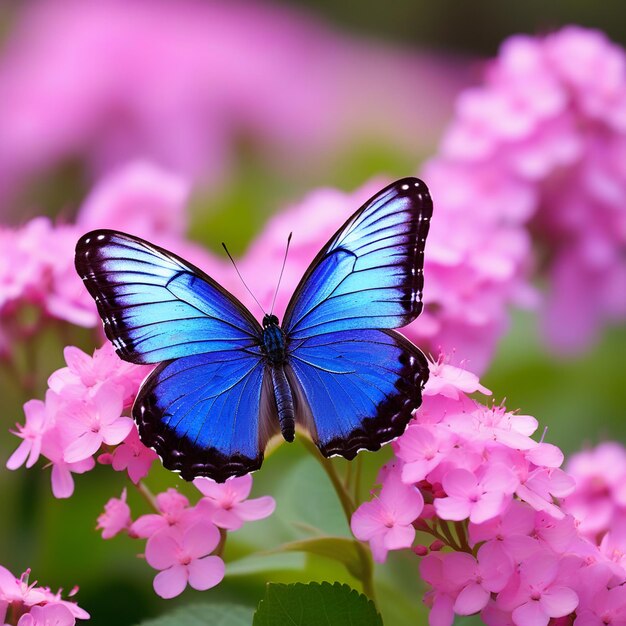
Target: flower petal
[
  {"x": 19, "y": 456},
  {"x": 162, "y": 549},
  {"x": 82, "y": 448},
  {"x": 62, "y": 481},
  {"x": 255, "y": 509},
  {"x": 171, "y": 582},
  {"x": 200, "y": 539},
  {"x": 206, "y": 573},
  {"x": 472, "y": 599}
]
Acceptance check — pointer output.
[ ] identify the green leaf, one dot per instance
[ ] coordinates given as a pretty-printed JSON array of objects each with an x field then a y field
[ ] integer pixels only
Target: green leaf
[
  {"x": 264, "y": 563},
  {"x": 218, "y": 614},
  {"x": 347, "y": 551},
  {"x": 315, "y": 604}
]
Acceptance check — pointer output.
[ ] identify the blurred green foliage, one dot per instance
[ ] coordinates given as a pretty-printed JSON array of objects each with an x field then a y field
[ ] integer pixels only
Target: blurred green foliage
[{"x": 476, "y": 27}]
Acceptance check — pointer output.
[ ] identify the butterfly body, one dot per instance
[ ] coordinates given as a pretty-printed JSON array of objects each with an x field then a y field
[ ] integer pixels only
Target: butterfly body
[
  {"x": 274, "y": 345},
  {"x": 225, "y": 384}
]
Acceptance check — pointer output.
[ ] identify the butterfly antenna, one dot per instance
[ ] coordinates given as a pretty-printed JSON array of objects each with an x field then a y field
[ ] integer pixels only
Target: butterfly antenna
[
  {"x": 282, "y": 269},
  {"x": 241, "y": 277}
]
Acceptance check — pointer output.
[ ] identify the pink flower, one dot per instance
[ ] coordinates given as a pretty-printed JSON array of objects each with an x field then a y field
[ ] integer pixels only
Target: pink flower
[
  {"x": 386, "y": 522},
  {"x": 226, "y": 503},
  {"x": 36, "y": 606},
  {"x": 541, "y": 164},
  {"x": 601, "y": 604},
  {"x": 139, "y": 197},
  {"x": 48, "y": 615},
  {"x": 18, "y": 590},
  {"x": 539, "y": 486},
  {"x": 512, "y": 531},
  {"x": 53, "y": 448},
  {"x": 182, "y": 557},
  {"x": 600, "y": 492},
  {"x": 39, "y": 418},
  {"x": 88, "y": 426},
  {"x": 477, "y": 578},
  {"x": 175, "y": 512},
  {"x": 84, "y": 374},
  {"x": 450, "y": 381},
  {"x": 539, "y": 595},
  {"x": 443, "y": 591},
  {"x": 131, "y": 455},
  {"x": 53, "y": 110},
  {"x": 33, "y": 259},
  {"x": 478, "y": 499},
  {"x": 422, "y": 449},
  {"x": 116, "y": 517}
]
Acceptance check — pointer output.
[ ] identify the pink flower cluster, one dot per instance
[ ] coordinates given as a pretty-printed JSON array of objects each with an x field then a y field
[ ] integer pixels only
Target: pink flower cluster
[
  {"x": 37, "y": 260},
  {"x": 83, "y": 413},
  {"x": 506, "y": 546},
  {"x": 76, "y": 83},
  {"x": 184, "y": 542},
  {"x": 599, "y": 502},
  {"x": 540, "y": 146},
  {"x": 25, "y": 604}
]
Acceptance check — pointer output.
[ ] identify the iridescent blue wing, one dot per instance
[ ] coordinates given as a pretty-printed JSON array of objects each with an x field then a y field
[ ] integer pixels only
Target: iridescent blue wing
[
  {"x": 208, "y": 408},
  {"x": 154, "y": 305},
  {"x": 370, "y": 274},
  {"x": 355, "y": 390},
  {"x": 208, "y": 414},
  {"x": 356, "y": 382}
]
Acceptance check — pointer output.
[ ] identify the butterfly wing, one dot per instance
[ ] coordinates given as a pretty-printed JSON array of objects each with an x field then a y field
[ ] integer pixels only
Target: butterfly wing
[
  {"x": 208, "y": 408},
  {"x": 154, "y": 305},
  {"x": 208, "y": 414},
  {"x": 356, "y": 390},
  {"x": 356, "y": 382},
  {"x": 370, "y": 273}
]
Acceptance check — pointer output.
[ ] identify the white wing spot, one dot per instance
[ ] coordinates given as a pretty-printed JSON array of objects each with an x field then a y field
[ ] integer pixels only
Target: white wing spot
[
  {"x": 404, "y": 187},
  {"x": 100, "y": 237}
]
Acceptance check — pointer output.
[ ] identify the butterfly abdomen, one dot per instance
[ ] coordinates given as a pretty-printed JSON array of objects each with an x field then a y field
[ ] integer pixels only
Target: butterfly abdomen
[{"x": 284, "y": 402}]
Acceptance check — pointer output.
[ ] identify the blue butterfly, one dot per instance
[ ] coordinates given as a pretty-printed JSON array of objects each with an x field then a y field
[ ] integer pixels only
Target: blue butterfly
[{"x": 226, "y": 384}]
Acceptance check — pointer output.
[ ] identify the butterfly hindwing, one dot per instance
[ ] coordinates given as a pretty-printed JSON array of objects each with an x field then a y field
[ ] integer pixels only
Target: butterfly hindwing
[
  {"x": 154, "y": 305},
  {"x": 370, "y": 274},
  {"x": 356, "y": 389},
  {"x": 208, "y": 415}
]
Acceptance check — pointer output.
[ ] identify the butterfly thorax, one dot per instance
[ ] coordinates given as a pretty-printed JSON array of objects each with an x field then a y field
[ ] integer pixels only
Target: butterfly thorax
[
  {"x": 275, "y": 349},
  {"x": 273, "y": 346}
]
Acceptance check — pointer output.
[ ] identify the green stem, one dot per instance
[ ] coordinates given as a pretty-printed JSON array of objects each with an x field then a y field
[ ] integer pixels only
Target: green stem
[
  {"x": 347, "y": 503},
  {"x": 367, "y": 580},
  {"x": 462, "y": 535},
  {"x": 347, "y": 479},
  {"x": 445, "y": 529},
  {"x": 147, "y": 495},
  {"x": 327, "y": 465},
  {"x": 431, "y": 530},
  {"x": 222, "y": 544},
  {"x": 357, "y": 478}
]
